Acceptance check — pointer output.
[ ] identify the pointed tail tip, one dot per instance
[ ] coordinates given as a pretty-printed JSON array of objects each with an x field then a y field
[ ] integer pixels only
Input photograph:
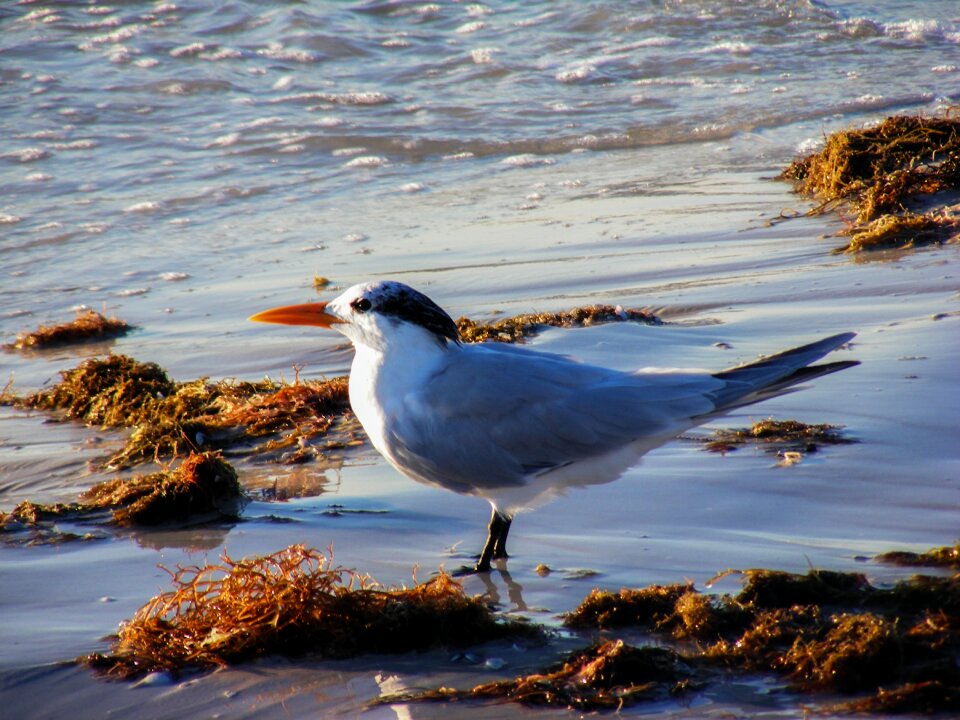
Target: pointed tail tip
[
  {"x": 835, "y": 340},
  {"x": 818, "y": 348}
]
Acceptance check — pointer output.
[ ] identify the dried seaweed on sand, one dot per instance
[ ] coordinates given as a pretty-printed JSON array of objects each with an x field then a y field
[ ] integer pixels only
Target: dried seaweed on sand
[
  {"x": 170, "y": 419},
  {"x": 825, "y": 631},
  {"x": 202, "y": 487},
  {"x": 946, "y": 557},
  {"x": 779, "y": 436},
  {"x": 86, "y": 326},
  {"x": 608, "y": 675},
  {"x": 880, "y": 172},
  {"x": 292, "y": 602},
  {"x": 517, "y": 328}
]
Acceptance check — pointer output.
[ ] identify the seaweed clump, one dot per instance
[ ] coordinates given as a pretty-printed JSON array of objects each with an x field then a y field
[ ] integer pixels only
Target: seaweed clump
[
  {"x": 87, "y": 325},
  {"x": 878, "y": 170},
  {"x": 517, "y": 329},
  {"x": 922, "y": 697},
  {"x": 824, "y": 630},
  {"x": 894, "y": 648},
  {"x": 293, "y": 602},
  {"x": 648, "y": 606},
  {"x": 24, "y": 527},
  {"x": 608, "y": 675},
  {"x": 946, "y": 557},
  {"x": 907, "y": 229},
  {"x": 171, "y": 419},
  {"x": 780, "y": 436},
  {"x": 204, "y": 486},
  {"x": 677, "y": 609},
  {"x": 116, "y": 391}
]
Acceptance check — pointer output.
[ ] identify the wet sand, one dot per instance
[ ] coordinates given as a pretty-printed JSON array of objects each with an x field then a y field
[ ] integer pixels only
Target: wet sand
[
  {"x": 182, "y": 167},
  {"x": 682, "y": 514}
]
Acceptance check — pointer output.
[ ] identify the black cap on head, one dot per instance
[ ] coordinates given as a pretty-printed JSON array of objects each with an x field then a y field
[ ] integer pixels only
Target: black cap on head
[{"x": 396, "y": 300}]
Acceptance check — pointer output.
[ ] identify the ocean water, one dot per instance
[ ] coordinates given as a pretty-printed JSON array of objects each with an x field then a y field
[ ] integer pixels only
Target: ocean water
[
  {"x": 157, "y": 153},
  {"x": 185, "y": 164}
]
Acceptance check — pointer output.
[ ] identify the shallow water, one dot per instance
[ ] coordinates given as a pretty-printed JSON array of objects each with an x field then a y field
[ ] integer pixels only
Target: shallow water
[{"x": 184, "y": 168}]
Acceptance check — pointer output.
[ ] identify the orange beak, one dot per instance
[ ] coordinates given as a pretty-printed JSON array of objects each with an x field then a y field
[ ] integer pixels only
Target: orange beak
[{"x": 306, "y": 314}]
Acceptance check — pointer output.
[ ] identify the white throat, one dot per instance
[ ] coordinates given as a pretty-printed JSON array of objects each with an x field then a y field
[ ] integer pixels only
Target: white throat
[{"x": 383, "y": 377}]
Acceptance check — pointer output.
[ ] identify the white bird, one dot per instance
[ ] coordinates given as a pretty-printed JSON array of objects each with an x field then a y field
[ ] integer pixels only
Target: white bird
[{"x": 513, "y": 425}]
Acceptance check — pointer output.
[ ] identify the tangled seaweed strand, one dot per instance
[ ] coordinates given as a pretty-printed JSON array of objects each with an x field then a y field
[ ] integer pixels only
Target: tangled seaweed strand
[
  {"x": 825, "y": 630},
  {"x": 88, "y": 325},
  {"x": 780, "y": 435},
  {"x": 608, "y": 675},
  {"x": 24, "y": 526},
  {"x": 877, "y": 170},
  {"x": 292, "y": 602},
  {"x": 907, "y": 229},
  {"x": 947, "y": 557},
  {"x": 203, "y": 486},
  {"x": 645, "y": 606},
  {"x": 171, "y": 419},
  {"x": 116, "y": 391}
]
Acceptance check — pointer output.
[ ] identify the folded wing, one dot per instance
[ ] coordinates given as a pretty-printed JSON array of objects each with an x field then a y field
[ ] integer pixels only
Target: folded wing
[{"x": 497, "y": 415}]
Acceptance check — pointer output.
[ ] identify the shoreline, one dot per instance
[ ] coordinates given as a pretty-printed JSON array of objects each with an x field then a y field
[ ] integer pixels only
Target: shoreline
[{"x": 681, "y": 514}]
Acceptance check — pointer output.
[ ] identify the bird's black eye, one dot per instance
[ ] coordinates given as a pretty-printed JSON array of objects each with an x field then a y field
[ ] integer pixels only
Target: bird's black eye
[{"x": 361, "y": 304}]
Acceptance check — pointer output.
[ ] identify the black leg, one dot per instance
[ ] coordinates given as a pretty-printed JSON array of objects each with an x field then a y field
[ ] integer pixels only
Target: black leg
[
  {"x": 496, "y": 545},
  {"x": 500, "y": 546}
]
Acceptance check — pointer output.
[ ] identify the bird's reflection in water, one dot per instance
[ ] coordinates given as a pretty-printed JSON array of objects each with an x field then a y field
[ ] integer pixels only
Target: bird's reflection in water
[{"x": 514, "y": 589}]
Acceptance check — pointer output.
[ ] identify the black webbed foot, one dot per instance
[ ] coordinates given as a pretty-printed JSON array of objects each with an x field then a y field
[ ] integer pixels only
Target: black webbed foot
[
  {"x": 494, "y": 549},
  {"x": 467, "y": 570}
]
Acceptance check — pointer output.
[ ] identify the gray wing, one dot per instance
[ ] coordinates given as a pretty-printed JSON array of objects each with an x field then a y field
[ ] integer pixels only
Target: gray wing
[
  {"x": 778, "y": 374},
  {"x": 496, "y": 414}
]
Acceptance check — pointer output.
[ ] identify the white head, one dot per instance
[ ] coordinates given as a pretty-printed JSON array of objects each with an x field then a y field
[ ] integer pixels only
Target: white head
[{"x": 372, "y": 314}]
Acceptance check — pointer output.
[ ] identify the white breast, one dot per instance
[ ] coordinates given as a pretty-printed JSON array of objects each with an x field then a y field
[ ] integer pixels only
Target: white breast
[{"x": 384, "y": 381}]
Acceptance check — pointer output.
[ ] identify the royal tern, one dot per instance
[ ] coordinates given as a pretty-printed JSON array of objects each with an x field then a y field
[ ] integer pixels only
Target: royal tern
[{"x": 513, "y": 425}]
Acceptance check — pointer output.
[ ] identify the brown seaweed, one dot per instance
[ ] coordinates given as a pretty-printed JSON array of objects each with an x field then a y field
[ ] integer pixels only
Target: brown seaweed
[
  {"x": 894, "y": 647},
  {"x": 947, "y": 557},
  {"x": 86, "y": 326},
  {"x": 203, "y": 486},
  {"x": 169, "y": 419},
  {"x": 777, "y": 589},
  {"x": 293, "y": 602},
  {"x": 518, "y": 328},
  {"x": 648, "y": 607},
  {"x": 905, "y": 230},
  {"x": 857, "y": 651},
  {"x": 878, "y": 171},
  {"x": 24, "y": 527},
  {"x": 779, "y": 435},
  {"x": 116, "y": 391},
  {"x": 677, "y": 609},
  {"x": 928, "y": 698},
  {"x": 608, "y": 675},
  {"x": 825, "y": 630}
]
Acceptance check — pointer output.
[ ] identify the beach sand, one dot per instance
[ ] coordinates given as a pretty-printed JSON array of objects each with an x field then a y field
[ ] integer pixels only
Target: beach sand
[{"x": 747, "y": 287}]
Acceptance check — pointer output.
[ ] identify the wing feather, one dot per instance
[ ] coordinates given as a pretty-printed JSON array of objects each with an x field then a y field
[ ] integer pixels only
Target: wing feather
[{"x": 496, "y": 415}]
